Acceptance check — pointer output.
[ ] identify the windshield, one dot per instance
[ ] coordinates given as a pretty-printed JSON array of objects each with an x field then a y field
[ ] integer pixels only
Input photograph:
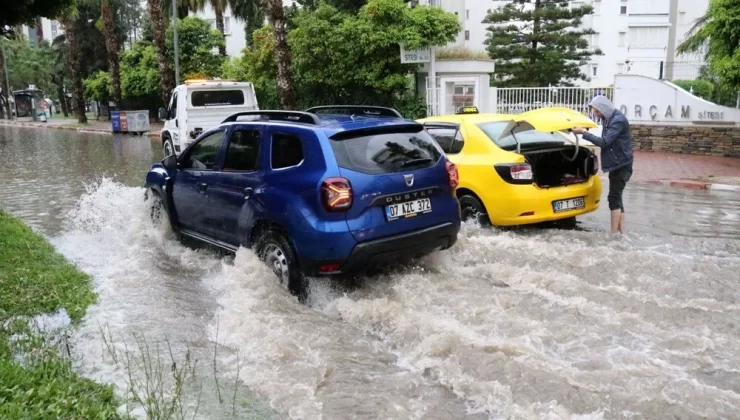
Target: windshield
[
  {"x": 526, "y": 138},
  {"x": 386, "y": 152}
]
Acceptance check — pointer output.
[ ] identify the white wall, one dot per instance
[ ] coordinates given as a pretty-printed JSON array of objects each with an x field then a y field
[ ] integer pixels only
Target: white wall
[{"x": 234, "y": 33}]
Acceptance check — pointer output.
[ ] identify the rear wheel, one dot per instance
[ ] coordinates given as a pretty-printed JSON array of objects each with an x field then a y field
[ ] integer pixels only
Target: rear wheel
[
  {"x": 472, "y": 209},
  {"x": 274, "y": 249},
  {"x": 167, "y": 147}
]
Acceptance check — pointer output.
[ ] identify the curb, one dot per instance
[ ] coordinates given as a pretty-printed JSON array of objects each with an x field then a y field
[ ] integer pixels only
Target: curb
[
  {"x": 696, "y": 185},
  {"x": 61, "y": 127}
]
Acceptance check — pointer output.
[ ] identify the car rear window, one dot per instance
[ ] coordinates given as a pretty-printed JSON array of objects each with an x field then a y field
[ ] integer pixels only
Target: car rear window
[
  {"x": 217, "y": 97},
  {"x": 386, "y": 152},
  {"x": 526, "y": 138}
]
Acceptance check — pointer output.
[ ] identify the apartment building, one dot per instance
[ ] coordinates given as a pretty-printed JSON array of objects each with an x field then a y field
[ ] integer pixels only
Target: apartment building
[{"x": 635, "y": 36}]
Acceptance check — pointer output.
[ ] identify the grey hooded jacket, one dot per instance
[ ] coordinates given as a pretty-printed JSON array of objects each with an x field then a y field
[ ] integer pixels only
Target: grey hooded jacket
[{"x": 615, "y": 141}]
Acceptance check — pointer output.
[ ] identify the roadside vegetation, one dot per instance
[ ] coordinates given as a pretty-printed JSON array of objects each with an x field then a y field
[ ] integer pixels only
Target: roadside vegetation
[{"x": 37, "y": 377}]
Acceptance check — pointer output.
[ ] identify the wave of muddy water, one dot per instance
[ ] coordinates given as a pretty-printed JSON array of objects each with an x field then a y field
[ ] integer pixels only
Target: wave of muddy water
[
  {"x": 524, "y": 324},
  {"x": 521, "y": 324}
]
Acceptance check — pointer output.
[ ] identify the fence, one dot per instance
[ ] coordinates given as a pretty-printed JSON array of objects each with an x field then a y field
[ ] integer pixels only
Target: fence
[
  {"x": 680, "y": 70},
  {"x": 518, "y": 100}
]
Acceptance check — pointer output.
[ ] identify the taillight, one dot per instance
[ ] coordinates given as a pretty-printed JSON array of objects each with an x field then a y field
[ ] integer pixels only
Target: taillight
[
  {"x": 336, "y": 194},
  {"x": 521, "y": 172},
  {"x": 452, "y": 175}
]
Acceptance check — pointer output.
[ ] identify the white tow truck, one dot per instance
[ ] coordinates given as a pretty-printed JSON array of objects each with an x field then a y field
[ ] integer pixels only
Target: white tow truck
[{"x": 198, "y": 105}]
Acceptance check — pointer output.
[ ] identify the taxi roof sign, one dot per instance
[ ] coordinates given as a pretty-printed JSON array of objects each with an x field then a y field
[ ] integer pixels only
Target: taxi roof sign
[{"x": 468, "y": 110}]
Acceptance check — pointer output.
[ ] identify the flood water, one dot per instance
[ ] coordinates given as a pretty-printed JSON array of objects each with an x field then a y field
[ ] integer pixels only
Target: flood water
[{"x": 522, "y": 324}]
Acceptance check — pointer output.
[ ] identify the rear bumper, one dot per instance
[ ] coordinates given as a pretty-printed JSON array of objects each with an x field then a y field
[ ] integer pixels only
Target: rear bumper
[
  {"x": 528, "y": 204},
  {"x": 395, "y": 248}
]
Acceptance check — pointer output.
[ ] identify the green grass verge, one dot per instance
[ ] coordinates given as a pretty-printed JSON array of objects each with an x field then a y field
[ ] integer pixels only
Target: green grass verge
[{"x": 35, "y": 279}]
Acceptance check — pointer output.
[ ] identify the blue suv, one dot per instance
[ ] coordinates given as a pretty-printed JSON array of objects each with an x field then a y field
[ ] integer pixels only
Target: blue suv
[{"x": 333, "y": 190}]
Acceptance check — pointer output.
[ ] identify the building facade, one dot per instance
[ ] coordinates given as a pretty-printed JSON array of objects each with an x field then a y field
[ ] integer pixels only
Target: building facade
[{"x": 634, "y": 36}]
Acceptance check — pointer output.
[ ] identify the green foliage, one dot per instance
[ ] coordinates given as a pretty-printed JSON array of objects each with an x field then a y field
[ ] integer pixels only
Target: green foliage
[
  {"x": 99, "y": 86},
  {"x": 139, "y": 71},
  {"x": 348, "y": 58},
  {"x": 457, "y": 53},
  {"x": 35, "y": 279},
  {"x": 718, "y": 31},
  {"x": 196, "y": 42},
  {"x": 29, "y": 65},
  {"x": 257, "y": 65},
  {"x": 17, "y": 12},
  {"x": 701, "y": 88},
  {"x": 540, "y": 45},
  {"x": 354, "y": 58}
]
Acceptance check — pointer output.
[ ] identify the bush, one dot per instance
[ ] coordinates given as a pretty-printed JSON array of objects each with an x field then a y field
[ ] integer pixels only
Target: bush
[{"x": 701, "y": 88}]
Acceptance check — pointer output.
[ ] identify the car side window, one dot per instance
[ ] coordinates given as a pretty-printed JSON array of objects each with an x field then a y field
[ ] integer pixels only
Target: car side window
[
  {"x": 202, "y": 156},
  {"x": 243, "y": 151},
  {"x": 287, "y": 150},
  {"x": 449, "y": 138},
  {"x": 173, "y": 108}
]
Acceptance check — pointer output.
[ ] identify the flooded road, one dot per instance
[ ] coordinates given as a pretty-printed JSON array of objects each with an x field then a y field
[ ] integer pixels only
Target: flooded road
[{"x": 523, "y": 324}]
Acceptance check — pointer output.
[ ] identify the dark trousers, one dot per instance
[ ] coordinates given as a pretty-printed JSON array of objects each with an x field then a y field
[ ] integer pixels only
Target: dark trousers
[{"x": 617, "y": 181}]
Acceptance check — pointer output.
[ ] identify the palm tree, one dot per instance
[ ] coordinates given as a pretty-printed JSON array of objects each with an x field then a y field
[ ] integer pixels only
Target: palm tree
[
  {"x": 273, "y": 9},
  {"x": 111, "y": 44},
  {"x": 158, "y": 18},
  {"x": 219, "y": 6},
  {"x": 74, "y": 62}
]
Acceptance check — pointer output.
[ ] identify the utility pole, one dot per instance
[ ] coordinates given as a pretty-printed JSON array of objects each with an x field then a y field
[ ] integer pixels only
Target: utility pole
[
  {"x": 7, "y": 79},
  {"x": 671, "y": 50},
  {"x": 174, "y": 31}
]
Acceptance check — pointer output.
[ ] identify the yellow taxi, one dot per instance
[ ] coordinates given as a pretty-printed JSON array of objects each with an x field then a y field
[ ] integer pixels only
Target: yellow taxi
[{"x": 520, "y": 169}]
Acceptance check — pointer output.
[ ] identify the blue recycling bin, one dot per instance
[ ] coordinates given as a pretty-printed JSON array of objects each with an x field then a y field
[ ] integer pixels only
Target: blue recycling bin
[{"x": 115, "y": 119}]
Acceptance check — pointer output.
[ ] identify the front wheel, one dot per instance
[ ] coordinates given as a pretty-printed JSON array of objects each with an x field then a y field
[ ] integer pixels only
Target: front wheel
[
  {"x": 274, "y": 249},
  {"x": 472, "y": 209},
  {"x": 167, "y": 147}
]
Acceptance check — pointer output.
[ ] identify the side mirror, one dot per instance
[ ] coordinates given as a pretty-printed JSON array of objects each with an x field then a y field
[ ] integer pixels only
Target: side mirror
[
  {"x": 162, "y": 114},
  {"x": 170, "y": 162}
]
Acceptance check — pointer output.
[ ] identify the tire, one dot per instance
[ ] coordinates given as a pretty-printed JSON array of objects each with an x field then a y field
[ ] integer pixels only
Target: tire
[
  {"x": 168, "y": 147},
  {"x": 472, "y": 209},
  {"x": 274, "y": 249},
  {"x": 158, "y": 212}
]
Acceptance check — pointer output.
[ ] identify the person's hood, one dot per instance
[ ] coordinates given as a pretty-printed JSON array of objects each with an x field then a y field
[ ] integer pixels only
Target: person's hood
[{"x": 603, "y": 105}]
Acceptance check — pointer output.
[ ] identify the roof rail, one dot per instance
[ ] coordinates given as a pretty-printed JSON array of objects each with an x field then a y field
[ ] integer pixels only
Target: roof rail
[
  {"x": 290, "y": 116},
  {"x": 369, "y": 110}
]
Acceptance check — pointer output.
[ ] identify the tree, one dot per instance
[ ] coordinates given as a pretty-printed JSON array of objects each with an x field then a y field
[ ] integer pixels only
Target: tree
[
  {"x": 159, "y": 27},
  {"x": 718, "y": 31},
  {"x": 252, "y": 13},
  {"x": 538, "y": 42},
  {"x": 219, "y": 7},
  {"x": 196, "y": 40},
  {"x": 112, "y": 46},
  {"x": 74, "y": 63},
  {"x": 29, "y": 65},
  {"x": 347, "y": 58},
  {"x": 18, "y": 12},
  {"x": 276, "y": 18}
]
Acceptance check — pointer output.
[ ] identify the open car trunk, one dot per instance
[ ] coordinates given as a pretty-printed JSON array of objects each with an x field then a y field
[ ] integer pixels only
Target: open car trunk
[{"x": 554, "y": 167}]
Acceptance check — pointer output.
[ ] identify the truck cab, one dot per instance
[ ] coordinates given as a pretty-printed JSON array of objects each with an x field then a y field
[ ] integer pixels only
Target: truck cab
[{"x": 198, "y": 105}]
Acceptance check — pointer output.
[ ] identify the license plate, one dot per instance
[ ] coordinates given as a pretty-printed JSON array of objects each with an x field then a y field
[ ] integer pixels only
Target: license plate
[
  {"x": 408, "y": 209},
  {"x": 570, "y": 204}
]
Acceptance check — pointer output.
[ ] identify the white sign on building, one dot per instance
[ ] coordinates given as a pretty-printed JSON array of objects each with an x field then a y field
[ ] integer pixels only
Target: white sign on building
[
  {"x": 647, "y": 100},
  {"x": 421, "y": 55}
]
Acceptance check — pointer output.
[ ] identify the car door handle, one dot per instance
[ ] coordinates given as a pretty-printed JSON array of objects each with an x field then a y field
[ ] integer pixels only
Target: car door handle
[
  {"x": 248, "y": 192},
  {"x": 201, "y": 187}
]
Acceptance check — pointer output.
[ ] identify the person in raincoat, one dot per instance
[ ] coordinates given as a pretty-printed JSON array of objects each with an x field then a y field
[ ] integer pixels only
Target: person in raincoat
[{"x": 616, "y": 154}]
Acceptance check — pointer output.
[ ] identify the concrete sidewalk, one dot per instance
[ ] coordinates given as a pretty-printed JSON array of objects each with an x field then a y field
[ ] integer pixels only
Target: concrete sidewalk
[
  {"x": 689, "y": 171},
  {"x": 72, "y": 124}
]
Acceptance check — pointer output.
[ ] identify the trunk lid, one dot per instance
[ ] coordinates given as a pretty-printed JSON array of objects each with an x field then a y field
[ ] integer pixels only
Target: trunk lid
[
  {"x": 393, "y": 167},
  {"x": 555, "y": 119}
]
